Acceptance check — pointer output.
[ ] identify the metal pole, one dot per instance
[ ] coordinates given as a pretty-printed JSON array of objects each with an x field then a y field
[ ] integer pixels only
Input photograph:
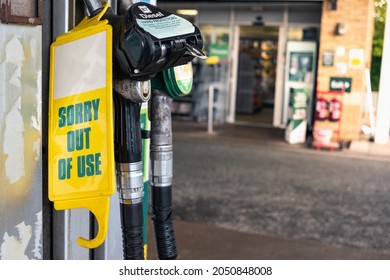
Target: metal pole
[
  {"x": 68, "y": 224},
  {"x": 211, "y": 109},
  {"x": 369, "y": 103},
  {"x": 383, "y": 112}
]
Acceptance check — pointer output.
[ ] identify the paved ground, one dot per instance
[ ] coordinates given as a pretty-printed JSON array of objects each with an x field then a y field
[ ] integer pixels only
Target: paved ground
[
  {"x": 198, "y": 241},
  {"x": 286, "y": 201}
]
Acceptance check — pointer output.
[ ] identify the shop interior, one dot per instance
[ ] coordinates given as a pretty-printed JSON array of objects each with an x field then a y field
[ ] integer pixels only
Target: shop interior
[{"x": 256, "y": 74}]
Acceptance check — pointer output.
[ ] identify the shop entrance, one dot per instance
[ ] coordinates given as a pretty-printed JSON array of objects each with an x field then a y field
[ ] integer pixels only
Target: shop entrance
[{"x": 256, "y": 74}]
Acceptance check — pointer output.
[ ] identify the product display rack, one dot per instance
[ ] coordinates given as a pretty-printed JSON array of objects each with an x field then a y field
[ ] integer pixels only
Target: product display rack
[
  {"x": 322, "y": 126},
  {"x": 256, "y": 75}
]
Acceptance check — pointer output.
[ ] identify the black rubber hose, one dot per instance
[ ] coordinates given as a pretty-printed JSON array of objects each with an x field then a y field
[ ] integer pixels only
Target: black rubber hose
[
  {"x": 162, "y": 221},
  {"x": 132, "y": 231},
  {"x": 128, "y": 139},
  {"x": 128, "y": 149}
]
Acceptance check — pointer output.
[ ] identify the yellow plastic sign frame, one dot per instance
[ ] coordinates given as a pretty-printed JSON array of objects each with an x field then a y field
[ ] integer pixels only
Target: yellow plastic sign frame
[{"x": 81, "y": 151}]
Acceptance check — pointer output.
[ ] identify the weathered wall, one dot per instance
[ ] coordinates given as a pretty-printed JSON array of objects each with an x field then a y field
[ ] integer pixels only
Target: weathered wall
[{"x": 20, "y": 142}]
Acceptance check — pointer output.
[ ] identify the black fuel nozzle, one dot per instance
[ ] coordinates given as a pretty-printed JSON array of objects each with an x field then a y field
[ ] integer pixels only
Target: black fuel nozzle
[{"x": 148, "y": 40}]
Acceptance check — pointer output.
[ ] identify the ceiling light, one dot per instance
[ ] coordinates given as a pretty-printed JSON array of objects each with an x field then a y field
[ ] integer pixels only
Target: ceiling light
[{"x": 187, "y": 12}]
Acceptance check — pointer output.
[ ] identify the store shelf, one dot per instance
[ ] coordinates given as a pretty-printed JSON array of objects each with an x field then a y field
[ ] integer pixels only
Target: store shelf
[{"x": 256, "y": 75}]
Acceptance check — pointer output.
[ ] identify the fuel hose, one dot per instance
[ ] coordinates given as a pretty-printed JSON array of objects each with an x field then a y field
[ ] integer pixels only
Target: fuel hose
[
  {"x": 161, "y": 159},
  {"x": 128, "y": 158}
]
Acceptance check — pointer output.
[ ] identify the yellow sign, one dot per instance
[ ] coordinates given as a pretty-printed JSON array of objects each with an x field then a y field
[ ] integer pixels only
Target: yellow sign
[{"x": 81, "y": 153}]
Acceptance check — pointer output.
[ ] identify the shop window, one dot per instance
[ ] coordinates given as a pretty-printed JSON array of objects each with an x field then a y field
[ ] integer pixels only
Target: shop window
[
  {"x": 216, "y": 40},
  {"x": 21, "y": 11}
]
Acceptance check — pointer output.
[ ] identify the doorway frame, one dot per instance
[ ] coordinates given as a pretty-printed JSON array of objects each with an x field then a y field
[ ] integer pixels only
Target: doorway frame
[{"x": 279, "y": 82}]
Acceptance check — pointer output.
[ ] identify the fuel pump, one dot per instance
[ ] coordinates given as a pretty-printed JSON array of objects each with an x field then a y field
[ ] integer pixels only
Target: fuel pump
[{"x": 147, "y": 40}]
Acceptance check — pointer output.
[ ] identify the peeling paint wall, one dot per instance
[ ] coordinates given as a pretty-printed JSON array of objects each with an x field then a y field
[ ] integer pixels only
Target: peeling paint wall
[{"x": 20, "y": 142}]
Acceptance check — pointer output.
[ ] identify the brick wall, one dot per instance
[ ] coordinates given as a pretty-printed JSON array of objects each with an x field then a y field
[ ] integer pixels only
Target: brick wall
[{"x": 358, "y": 17}]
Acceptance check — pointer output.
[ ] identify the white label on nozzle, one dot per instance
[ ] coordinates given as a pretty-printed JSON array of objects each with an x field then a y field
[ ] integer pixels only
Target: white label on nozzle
[{"x": 166, "y": 27}]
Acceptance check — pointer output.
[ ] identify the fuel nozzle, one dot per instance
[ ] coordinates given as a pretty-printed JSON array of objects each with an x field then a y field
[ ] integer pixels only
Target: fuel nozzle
[
  {"x": 148, "y": 40},
  {"x": 153, "y": 40}
]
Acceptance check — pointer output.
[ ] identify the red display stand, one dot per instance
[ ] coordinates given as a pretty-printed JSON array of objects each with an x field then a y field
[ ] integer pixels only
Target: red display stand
[{"x": 327, "y": 123}]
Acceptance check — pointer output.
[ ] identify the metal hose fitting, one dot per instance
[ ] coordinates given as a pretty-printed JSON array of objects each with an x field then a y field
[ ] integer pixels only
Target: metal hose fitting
[
  {"x": 130, "y": 183},
  {"x": 161, "y": 164},
  {"x": 136, "y": 91}
]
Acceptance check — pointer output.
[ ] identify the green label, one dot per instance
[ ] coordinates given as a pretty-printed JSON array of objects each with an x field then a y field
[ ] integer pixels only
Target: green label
[
  {"x": 183, "y": 77},
  {"x": 340, "y": 83},
  {"x": 298, "y": 107},
  {"x": 145, "y": 125},
  {"x": 222, "y": 51}
]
